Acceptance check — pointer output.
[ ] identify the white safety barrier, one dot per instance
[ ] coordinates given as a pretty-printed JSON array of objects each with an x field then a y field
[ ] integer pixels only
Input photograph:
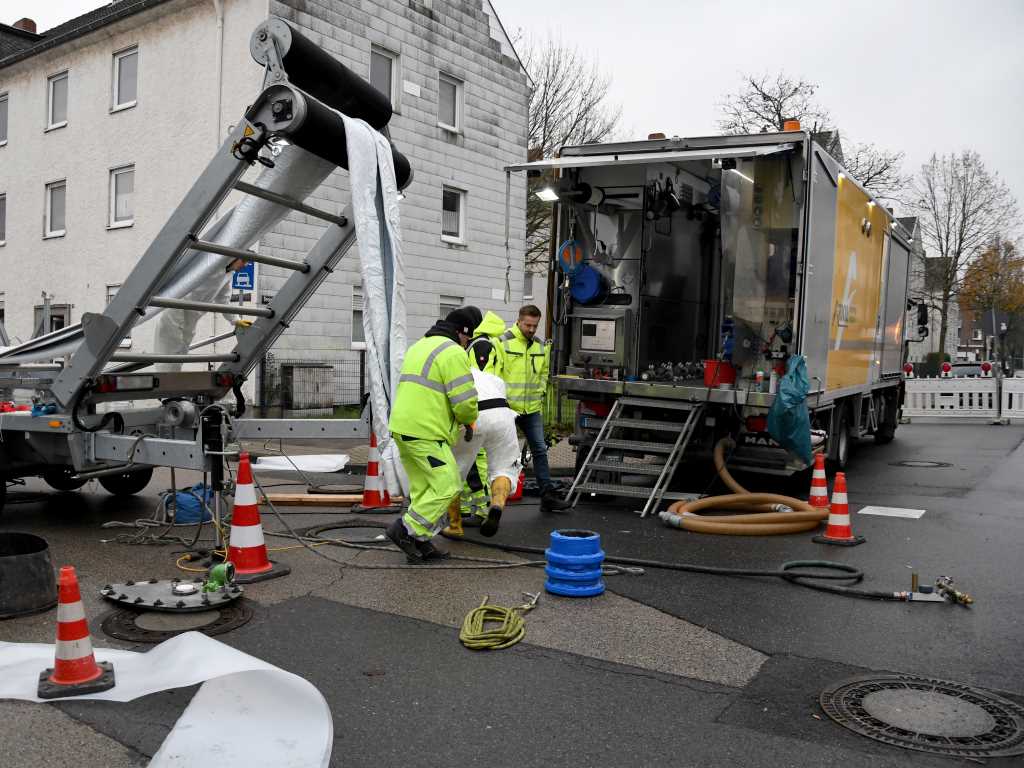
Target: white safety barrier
[
  {"x": 1013, "y": 399},
  {"x": 952, "y": 398}
]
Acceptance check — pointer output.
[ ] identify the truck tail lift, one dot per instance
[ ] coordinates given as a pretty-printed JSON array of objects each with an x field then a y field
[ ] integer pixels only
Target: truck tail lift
[
  {"x": 689, "y": 271},
  {"x": 292, "y": 130}
]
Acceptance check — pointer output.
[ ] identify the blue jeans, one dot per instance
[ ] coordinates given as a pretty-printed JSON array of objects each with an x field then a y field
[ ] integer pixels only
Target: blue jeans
[{"x": 532, "y": 425}]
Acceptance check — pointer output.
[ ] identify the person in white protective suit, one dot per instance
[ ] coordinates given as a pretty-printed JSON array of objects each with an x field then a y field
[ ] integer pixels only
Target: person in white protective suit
[{"x": 495, "y": 433}]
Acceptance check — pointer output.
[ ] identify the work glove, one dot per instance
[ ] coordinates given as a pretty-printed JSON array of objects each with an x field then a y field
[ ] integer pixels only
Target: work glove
[{"x": 469, "y": 433}]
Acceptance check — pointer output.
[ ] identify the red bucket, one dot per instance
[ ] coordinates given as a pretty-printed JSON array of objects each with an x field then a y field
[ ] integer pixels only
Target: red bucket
[{"x": 718, "y": 372}]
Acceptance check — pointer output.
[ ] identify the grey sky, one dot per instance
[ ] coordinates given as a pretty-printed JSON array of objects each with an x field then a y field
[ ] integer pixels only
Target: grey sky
[{"x": 919, "y": 76}]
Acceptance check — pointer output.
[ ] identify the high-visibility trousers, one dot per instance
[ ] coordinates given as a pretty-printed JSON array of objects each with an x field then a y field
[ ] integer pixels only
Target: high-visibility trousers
[
  {"x": 434, "y": 482},
  {"x": 475, "y": 494}
]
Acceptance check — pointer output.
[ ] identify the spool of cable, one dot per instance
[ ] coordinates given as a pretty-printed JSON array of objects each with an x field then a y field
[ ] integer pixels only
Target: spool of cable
[
  {"x": 322, "y": 76},
  {"x": 570, "y": 256},
  {"x": 588, "y": 286}
]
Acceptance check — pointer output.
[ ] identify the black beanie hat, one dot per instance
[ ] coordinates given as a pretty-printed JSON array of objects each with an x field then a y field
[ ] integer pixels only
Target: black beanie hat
[{"x": 466, "y": 319}]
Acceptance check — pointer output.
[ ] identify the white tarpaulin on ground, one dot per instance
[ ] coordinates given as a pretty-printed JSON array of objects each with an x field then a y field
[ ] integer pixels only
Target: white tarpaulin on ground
[
  {"x": 379, "y": 235},
  {"x": 320, "y": 462},
  {"x": 248, "y": 713}
]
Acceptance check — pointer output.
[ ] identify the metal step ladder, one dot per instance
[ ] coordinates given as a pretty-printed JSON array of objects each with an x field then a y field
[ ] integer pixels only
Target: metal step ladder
[{"x": 613, "y": 440}]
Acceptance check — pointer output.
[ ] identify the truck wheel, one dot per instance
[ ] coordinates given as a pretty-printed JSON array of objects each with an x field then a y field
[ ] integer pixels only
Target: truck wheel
[
  {"x": 127, "y": 483},
  {"x": 886, "y": 431},
  {"x": 59, "y": 478},
  {"x": 841, "y": 453}
]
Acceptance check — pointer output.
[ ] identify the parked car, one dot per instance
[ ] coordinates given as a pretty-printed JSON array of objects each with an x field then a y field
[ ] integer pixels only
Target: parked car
[{"x": 969, "y": 370}]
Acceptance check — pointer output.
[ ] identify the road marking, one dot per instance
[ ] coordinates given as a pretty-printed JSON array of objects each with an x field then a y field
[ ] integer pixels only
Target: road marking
[{"x": 892, "y": 512}]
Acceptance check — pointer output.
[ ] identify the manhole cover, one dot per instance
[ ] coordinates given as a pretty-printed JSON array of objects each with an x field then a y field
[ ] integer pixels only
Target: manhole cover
[
  {"x": 924, "y": 464},
  {"x": 352, "y": 532},
  {"x": 128, "y": 625},
  {"x": 928, "y": 715}
]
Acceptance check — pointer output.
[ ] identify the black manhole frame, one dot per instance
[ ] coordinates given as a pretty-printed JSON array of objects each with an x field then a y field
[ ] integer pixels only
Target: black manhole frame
[
  {"x": 834, "y": 702},
  {"x": 921, "y": 464},
  {"x": 122, "y": 624},
  {"x": 316, "y": 532}
]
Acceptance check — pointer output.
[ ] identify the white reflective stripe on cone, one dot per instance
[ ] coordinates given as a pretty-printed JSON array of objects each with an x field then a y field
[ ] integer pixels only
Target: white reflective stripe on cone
[
  {"x": 818, "y": 474},
  {"x": 373, "y": 483},
  {"x": 70, "y": 611},
  {"x": 245, "y": 536},
  {"x": 374, "y": 455},
  {"x": 70, "y": 650},
  {"x": 842, "y": 520},
  {"x": 839, "y": 498},
  {"x": 245, "y": 495}
]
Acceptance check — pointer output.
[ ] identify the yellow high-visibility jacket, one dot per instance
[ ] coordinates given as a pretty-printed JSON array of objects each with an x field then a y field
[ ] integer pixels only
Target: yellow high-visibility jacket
[
  {"x": 526, "y": 370},
  {"x": 435, "y": 391}
]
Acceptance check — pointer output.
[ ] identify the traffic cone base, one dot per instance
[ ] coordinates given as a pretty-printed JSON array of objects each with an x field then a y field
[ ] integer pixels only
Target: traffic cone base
[
  {"x": 247, "y": 550},
  {"x": 74, "y": 671},
  {"x": 838, "y": 531},
  {"x": 376, "y": 499}
]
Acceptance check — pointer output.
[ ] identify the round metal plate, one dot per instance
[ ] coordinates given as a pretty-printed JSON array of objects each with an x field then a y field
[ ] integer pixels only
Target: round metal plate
[
  {"x": 921, "y": 464},
  {"x": 928, "y": 715},
  {"x": 154, "y": 595},
  {"x": 124, "y": 624},
  {"x": 353, "y": 532}
]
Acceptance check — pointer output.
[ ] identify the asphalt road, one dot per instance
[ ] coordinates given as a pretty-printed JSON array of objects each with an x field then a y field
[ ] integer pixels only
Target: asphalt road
[{"x": 666, "y": 668}]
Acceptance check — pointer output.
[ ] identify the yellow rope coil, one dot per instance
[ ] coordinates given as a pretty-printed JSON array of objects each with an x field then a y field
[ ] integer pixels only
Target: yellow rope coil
[{"x": 511, "y": 628}]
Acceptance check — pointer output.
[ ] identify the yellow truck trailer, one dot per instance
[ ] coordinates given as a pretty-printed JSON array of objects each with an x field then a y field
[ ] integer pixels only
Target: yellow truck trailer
[{"x": 688, "y": 272}]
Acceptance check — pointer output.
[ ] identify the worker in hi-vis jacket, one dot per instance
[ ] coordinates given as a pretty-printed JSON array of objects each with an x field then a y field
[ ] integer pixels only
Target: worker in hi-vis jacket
[{"x": 435, "y": 396}]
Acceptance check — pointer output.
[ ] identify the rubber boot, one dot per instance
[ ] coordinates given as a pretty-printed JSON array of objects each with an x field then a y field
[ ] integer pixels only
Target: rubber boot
[
  {"x": 550, "y": 501},
  {"x": 500, "y": 489},
  {"x": 454, "y": 529},
  {"x": 401, "y": 539},
  {"x": 429, "y": 552}
]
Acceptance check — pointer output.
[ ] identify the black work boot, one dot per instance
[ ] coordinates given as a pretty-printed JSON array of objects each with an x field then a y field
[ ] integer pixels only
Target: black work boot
[
  {"x": 401, "y": 539},
  {"x": 551, "y": 501},
  {"x": 489, "y": 527},
  {"x": 428, "y": 552}
]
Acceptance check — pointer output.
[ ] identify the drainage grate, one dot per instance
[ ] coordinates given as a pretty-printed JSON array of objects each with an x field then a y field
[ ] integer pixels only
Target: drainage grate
[
  {"x": 924, "y": 464},
  {"x": 125, "y": 624},
  {"x": 936, "y": 716}
]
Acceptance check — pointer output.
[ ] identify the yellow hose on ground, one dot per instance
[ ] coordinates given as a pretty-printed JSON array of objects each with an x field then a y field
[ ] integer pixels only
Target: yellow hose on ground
[{"x": 762, "y": 514}]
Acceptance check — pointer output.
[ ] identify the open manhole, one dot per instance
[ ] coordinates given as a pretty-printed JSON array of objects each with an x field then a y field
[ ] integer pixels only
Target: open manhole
[
  {"x": 921, "y": 464},
  {"x": 155, "y": 627},
  {"x": 928, "y": 715}
]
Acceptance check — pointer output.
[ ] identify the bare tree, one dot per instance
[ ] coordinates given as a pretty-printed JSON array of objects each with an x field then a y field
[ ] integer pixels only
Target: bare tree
[
  {"x": 569, "y": 104},
  {"x": 962, "y": 208},
  {"x": 766, "y": 102}
]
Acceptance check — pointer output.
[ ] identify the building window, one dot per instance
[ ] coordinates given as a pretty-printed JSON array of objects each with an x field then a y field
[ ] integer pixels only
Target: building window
[
  {"x": 57, "y": 101},
  {"x": 448, "y": 304},
  {"x": 56, "y": 197},
  {"x": 59, "y": 317},
  {"x": 384, "y": 73},
  {"x": 978, "y": 335},
  {"x": 3, "y": 316},
  {"x": 126, "y": 79},
  {"x": 449, "y": 103},
  {"x": 358, "y": 336},
  {"x": 527, "y": 285},
  {"x": 3, "y": 219},
  {"x": 122, "y": 195},
  {"x": 453, "y": 215},
  {"x": 3, "y": 119},
  {"x": 112, "y": 290}
]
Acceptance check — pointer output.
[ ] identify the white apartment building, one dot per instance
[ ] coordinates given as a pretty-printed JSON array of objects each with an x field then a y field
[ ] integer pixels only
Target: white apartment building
[{"x": 106, "y": 121}]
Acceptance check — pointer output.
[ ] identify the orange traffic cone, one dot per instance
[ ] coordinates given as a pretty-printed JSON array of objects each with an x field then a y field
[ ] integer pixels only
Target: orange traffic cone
[
  {"x": 839, "y": 531},
  {"x": 247, "y": 550},
  {"x": 75, "y": 671},
  {"x": 819, "y": 484},
  {"x": 376, "y": 499},
  {"x": 517, "y": 494}
]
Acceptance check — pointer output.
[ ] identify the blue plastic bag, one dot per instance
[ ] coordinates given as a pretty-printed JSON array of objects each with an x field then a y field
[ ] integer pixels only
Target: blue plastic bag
[
  {"x": 188, "y": 509},
  {"x": 788, "y": 421}
]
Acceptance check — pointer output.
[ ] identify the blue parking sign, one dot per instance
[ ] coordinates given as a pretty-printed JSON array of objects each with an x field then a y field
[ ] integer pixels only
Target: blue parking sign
[{"x": 244, "y": 278}]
